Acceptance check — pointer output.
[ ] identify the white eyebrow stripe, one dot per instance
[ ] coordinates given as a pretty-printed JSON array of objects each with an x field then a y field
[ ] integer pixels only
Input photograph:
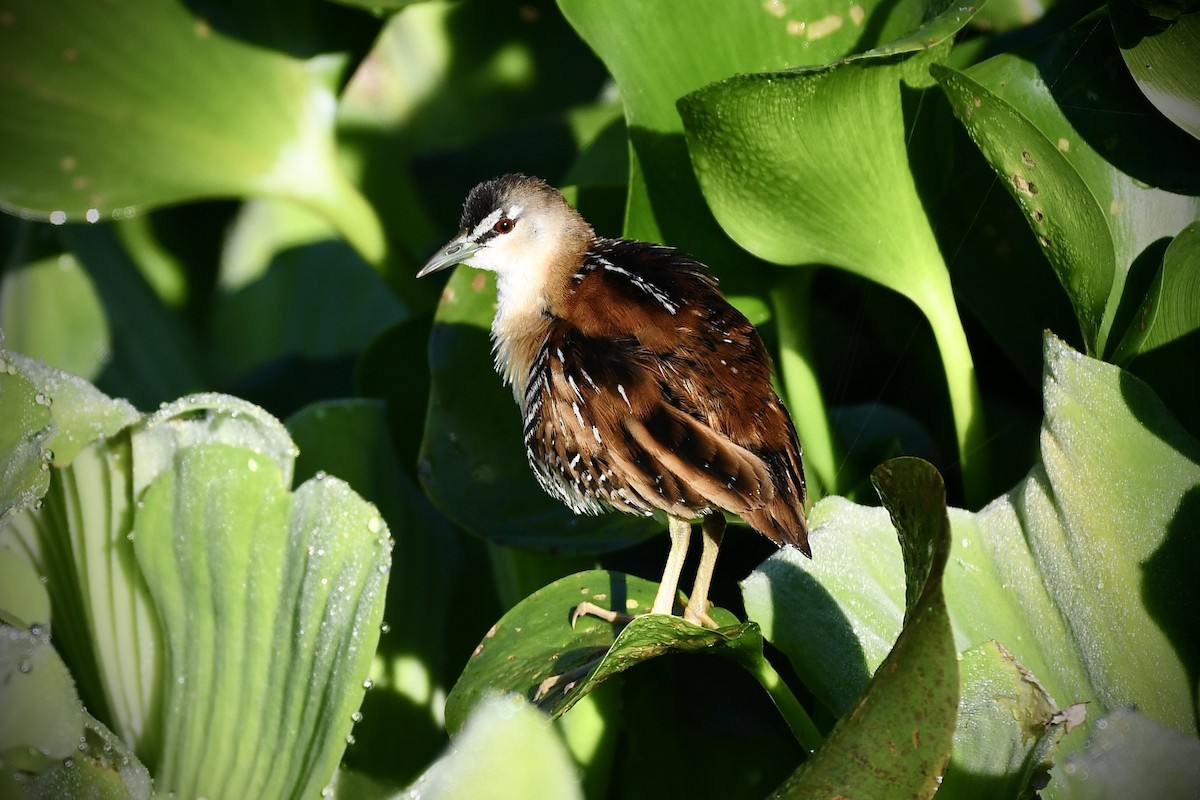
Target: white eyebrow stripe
[{"x": 486, "y": 224}]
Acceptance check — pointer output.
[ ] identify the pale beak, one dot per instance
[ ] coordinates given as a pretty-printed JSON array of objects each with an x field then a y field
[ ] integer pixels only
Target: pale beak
[{"x": 458, "y": 250}]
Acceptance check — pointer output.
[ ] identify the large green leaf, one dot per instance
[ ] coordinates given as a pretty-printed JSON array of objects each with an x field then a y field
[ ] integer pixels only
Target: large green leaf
[
  {"x": 25, "y": 430},
  {"x": 1079, "y": 571},
  {"x": 49, "y": 310},
  {"x": 821, "y": 166},
  {"x": 294, "y": 585},
  {"x": 1131, "y": 755},
  {"x": 286, "y": 284},
  {"x": 1164, "y": 58},
  {"x": 190, "y": 508},
  {"x": 1083, "y": 154},
  {"x": 896, "y": 738},
  {"x": 350, "y": 440},
  {"x": 1171, "y": 310},
  {"x": 657, "y": 55},
  {"x": 507, "y": 750},
  {"x": 472, "y": 459},
  {"x": 536, "y": 651},
  {"x": 116, "y": 108}
]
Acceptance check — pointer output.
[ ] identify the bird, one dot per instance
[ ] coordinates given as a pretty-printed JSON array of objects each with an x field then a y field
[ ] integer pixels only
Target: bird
[{"x": 641, "y": 388}]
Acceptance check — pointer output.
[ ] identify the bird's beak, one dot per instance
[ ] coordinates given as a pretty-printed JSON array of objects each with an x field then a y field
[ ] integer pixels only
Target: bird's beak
[{"x": 458, "y": 250}]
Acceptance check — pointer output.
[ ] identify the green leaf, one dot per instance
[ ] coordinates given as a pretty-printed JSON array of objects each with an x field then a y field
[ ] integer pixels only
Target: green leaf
[
  {"x": 1008, "y": 729},
  {"x": 1084, "y": 161},
  {"x": 1171, "y": 310},
  {"x": 49, "y": 310},
  {"x": 81, "y": 412},
  {"x": 506, "y": 751},
  {"x": 1079, "y": 571},
  {"x": 137, "y": 104},
  {"x": 26, "y": 429},
  {"x": 350, "y": 440},
  {"x": 49, "y": 746},
  {"x": 821, "y": 165},
  {"x": 472, "y": 460},
  {"x": 535, "y": 652},
  {"x": 713, "y": 41},
  {"x": 286, "y": 283},
  {"x": 1164, "y": 58},
  {"x": 896, "y": 738},
  {"x": 294, "y": 584}
]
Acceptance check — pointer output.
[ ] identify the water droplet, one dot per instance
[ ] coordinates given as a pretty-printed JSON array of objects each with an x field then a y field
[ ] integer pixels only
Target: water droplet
[
  {"x": 25, "y": 667},
  {"x": 350, "y": 738},
  {"x": 356, "y": 716},
  {"x": 374, "y": 524},
  {"x": 58, "y": 217},
  {"x": 92, "y": 215},
  {"x": 385, "y": 628},
  {"x": 368, "y": 683}
]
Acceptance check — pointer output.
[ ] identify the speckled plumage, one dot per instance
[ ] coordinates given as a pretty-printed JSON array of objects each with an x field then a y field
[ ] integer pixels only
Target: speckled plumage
[{"x": 642, "y": 389}]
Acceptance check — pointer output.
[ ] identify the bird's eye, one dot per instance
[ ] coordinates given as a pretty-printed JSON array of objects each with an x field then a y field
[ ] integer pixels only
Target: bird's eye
[{"x": 505, "y": 225}]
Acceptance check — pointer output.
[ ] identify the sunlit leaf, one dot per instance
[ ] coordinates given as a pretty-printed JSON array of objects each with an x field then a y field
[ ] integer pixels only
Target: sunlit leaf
[
  {"x": 130, "y": 105},
  {"x": 896, "y": 738},
  {"x": 1164, "y": 58},
  {"x": 1131, "y": 755},
  {"x": 1073, "y": 147},
  {"x": 26, "y": 428},
  {"x": 507, "y": 750},
  {"x": 49, "y": 310},
  {"x": 818, "y": 166},
  {"x": 1079, "y": 571},
  {"x": 295, "y": 585}
]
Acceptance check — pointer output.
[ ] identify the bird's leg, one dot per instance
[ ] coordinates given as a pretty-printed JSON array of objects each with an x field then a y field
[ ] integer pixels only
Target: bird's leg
[
  {"x": 713, "y": 528},
  {"x": 681, "y": 532}
]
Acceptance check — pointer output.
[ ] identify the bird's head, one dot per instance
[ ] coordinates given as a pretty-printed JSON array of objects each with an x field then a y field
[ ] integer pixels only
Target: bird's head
[{"x": 514, "y": 224}]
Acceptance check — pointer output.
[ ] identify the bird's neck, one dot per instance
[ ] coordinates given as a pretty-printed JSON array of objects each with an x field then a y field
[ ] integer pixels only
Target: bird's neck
[{"x": 526, "y": 303}]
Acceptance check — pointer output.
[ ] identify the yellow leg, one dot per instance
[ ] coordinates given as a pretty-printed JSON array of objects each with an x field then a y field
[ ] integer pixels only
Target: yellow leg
[
  {"x": 713, "y": 527},
  {"x": 681, "y": 532}
]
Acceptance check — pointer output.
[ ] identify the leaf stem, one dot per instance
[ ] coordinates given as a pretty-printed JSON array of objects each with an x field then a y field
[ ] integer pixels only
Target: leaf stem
[
  {"x": 797, "y": 718},
  {"x": 965, "y": 400},
  {"x": 791, "y": 298}
]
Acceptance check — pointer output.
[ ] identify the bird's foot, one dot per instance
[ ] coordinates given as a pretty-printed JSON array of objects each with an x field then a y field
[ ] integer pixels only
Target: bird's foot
[
  {"x": 565, "y": 682},
  {"x": 590, "y": 609},
  {"x": 621, "y": 618}
]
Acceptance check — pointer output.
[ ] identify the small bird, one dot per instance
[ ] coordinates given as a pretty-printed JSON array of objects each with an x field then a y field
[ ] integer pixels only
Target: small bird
[{"x": 641, "y": 388}]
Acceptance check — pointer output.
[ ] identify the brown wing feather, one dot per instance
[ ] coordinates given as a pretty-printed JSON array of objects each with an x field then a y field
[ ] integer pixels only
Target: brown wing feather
[{"x": 654, "y": 393}]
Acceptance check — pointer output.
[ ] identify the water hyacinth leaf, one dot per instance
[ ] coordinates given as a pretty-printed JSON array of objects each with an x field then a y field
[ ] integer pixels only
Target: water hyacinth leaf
[
  {"x": 49, "y": 746},
  {"x": 296, "y": 585},
  {"x": 81, "y": 412},
  {"x": 814, "y": 166},
  {"x": 1008, "y": 729},
  {"x": 1164, "y": 58},
  {"x": 49, "y": 310},
  {"x": 896, "y": 738},
  {"x": 472, "y": 461},
  {"x": 1079, "y": 571},
  {"x": 131, "y": 105},
  {"x": 277, "y": 297},
  {"x": 723, "y": 39},
  {"x": 26, "y": 427},
  {"x": 506, "y": 750},
  {"x": 534, "y": 642},
  {"x": 1072, "y": 147},
  {"x": 351, "y": 440},
  {"x": 535, "y": 652},
  {"x": 1171, "y": 310}
]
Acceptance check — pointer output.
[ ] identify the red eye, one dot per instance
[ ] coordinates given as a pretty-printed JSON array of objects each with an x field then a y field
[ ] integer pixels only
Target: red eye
[{"x": 505, "y": 225}]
